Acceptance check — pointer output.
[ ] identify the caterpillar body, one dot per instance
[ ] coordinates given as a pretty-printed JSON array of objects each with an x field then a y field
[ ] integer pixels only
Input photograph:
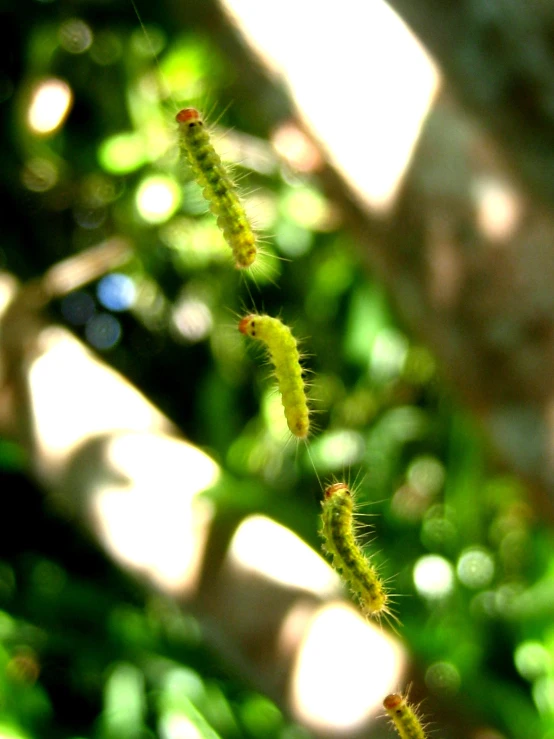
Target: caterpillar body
[
  {"x": 217, "y": 187},
  {"x": 284, "y": 355},
  {"x": 337, "y": 531},
  {"x": 404, "y": 717}
]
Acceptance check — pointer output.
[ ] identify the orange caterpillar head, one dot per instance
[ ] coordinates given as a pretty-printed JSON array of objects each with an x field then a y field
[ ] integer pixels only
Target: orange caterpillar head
[
  {"x": 393, "y": 701},
  {"x": 336, "y": 487},
  {"x": 188, "y": 116},
  {"x": 247, "y": 325}
]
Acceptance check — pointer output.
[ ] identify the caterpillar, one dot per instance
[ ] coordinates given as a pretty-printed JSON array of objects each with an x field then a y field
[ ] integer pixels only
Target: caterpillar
[
  {"x": 339, "y": 541},
  {"x": 284, "y": 355},
  {"x": 404, "y": 717},
  {"x": 217, "y": 187}
]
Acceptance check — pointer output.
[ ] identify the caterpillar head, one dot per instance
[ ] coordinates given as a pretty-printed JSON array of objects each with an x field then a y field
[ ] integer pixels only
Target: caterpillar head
[
  {"x": 336, "y": 487},
  {"x": 189, "y": 117},
  {"x": 392, "y": 701},
  {"x": 247, "y": 325}
]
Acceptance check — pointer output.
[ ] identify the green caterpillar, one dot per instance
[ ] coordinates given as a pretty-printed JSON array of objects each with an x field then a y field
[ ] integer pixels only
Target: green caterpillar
[
  {"x": 403, "y": 717},
  {"x": 217, "y": 187},
  {"x": 285, "y": 357},
  {"x": 337, "y": 530}
]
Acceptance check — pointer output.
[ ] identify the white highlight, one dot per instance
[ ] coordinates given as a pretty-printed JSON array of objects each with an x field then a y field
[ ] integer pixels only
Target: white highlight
[
  {"x": 372, "y": 87},
  {"x": 144, "y": 501},
  {"x": 499, "y": 208},
  {"x": 433, "y": 576},
  {"x": 157, "y": 198},
  {"x": 284, "y": 557},
  {"x": 50, "y": 103},
  {"x": 475, "y": 568},
  {"x": 344, "y": 668},
  {"x": 76, "y": 397},
  {"x": 162, "y": 535}
]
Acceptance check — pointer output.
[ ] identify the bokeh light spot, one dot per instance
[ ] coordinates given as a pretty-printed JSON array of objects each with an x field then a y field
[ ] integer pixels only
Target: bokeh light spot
[
  {"x": 388, "y": 354},
  {"x": 408, "y": 504},
  {"x": 148, "y": 41},
  {"x": 427, "y": 475},
  {"x": 157, "y": 198},
  {"x": 124, "y": 700},
  {"x": 475, "y": 568},
  {"x": 192, "y": 318},
  {"x": 307, "y": 207},
  {"x": 90, "y": 218},
  {"x": 23, "y": 667},
  {"x": 292, "y": 144},
  {"x": 122, "y": 153},
  {"x": 321, "y": 698},
  {"x": 261, "y": 716},
  {"x": 443, "y": 678},
  {"x": 39, "y": 174},
  {"x": 532, "y": 660},
  {"x": 338, "y": 449},
  {"x": 50, "y": 104},
  {"x": 438, "y": 530},
  {"x": 116, "y": 292},
  {"x": 433, "y": 576},
  {"x": 103, "y": 331},
  {"x": 106, "y": 49},
  {"x": 499, "y": 208},
  {"x": 77, "y": 308},
  {"x": 293, "y": 240},
  {"x": 75, "y": 36}
]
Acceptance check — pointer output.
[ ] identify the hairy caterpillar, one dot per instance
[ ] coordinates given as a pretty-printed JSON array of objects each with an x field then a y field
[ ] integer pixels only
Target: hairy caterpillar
[
  {"x": 337, "y": 530},
  {"x": 217, "y": 187},
  {"x": 403, "y": 717},
  {"x": 284, "y": 355}
]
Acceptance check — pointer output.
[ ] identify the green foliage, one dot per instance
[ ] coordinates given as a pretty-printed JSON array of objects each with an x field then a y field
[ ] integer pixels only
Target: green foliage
[{"x": 84, "y": 653}]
